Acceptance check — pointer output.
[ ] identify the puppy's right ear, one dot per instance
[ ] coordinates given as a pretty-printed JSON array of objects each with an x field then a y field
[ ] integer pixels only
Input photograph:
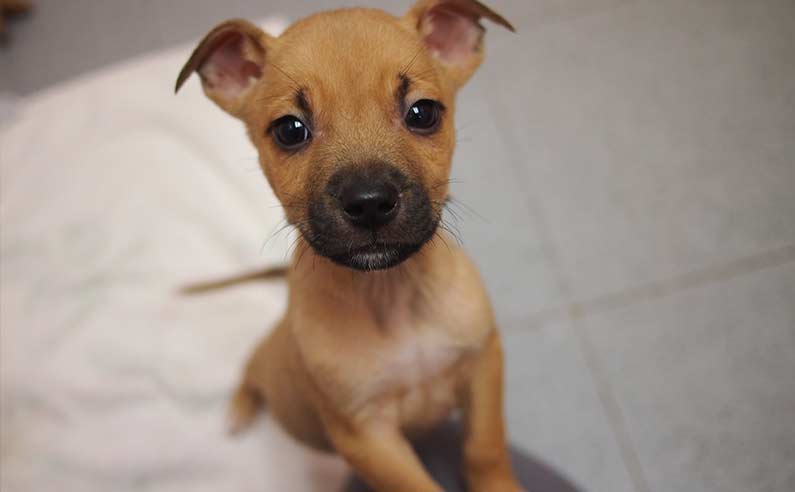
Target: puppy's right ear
[{"x": 229, "y": 60}]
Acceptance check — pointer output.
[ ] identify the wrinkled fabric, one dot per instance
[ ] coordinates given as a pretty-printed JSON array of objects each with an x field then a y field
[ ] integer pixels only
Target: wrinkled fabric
[{"x": 113, "y": 193}]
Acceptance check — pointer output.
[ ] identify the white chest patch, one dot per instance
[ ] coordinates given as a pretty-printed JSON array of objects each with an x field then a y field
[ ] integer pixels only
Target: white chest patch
[
  {"x": 413, "y": 350},
  {"x": 417, "y": 356}
]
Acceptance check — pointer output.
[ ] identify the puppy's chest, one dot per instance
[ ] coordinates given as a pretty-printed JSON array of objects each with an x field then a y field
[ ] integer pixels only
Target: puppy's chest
[
  {"x": 413, "y": 354},
  {"x": 403, "y": 360},
  {"x": 414, "y": 363},
  {"x": 414, "y": 375}
]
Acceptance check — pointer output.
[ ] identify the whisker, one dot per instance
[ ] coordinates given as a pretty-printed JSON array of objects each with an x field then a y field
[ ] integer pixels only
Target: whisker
[
  {"x": 291, "y": 248},
  {"x": 302, "y": 253},
  {"x": 276, "y": 232},
  {"x": 296, "y": 86},
  {"x": 405, "y": 69},
  {"x": 436, "y": 234},
  {"x": 466, "y": 208},
  {"x": 453, "y": 213},
  {"x": 445, "y": 182}
]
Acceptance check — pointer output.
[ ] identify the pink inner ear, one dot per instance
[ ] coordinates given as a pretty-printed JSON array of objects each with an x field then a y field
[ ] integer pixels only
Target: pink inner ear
[
  {"x": 226, "y": 69},
  {"x": 451, "y": 34}
]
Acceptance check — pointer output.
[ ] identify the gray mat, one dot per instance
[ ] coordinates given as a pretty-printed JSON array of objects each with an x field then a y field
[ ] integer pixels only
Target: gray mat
[{"x": 440, "y": 451}]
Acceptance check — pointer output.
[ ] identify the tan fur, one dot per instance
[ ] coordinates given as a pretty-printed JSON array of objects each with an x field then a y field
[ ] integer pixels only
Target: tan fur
[
  {"x": 9, "y": 8},
  {"x": 363, "y": 360}
]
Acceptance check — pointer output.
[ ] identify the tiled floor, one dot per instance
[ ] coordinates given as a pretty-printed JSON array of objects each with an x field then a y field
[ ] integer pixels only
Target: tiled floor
[
  {"x": 631, "y": 170},
  {"x": 703, "y": 382}
]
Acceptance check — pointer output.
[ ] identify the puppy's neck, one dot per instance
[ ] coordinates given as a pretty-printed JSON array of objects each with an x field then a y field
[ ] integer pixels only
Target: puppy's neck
[{"x": 416, "y": 281}]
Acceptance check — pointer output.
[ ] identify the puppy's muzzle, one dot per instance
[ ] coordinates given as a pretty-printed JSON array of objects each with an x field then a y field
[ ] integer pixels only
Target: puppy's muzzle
[{"x": 370, "y": 216}]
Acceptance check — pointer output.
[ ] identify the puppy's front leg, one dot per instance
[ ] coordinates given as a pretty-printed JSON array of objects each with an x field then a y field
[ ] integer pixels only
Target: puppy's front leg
[
  {"x": 486, "y": 459},
  {"x": 381, "y": 456}
]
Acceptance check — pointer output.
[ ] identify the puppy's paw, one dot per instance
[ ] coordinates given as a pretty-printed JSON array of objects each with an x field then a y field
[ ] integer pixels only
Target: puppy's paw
[{"x": 494, "y": 484}]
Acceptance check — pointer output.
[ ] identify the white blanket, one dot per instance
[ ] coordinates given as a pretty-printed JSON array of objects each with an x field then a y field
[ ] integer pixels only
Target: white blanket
[{"x": 114, "y": 192}]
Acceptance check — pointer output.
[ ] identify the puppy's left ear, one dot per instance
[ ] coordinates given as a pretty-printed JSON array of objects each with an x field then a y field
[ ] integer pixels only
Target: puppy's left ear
[
  {"x": 453, "y": 34},
  {"x": 229, "y": 61}
]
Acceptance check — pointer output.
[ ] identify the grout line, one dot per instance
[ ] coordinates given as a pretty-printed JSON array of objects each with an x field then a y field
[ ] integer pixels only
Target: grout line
[
  {"x": 691, "y": 280},
  {"x": 644, "y": 293},
  {"x": 576, "y": 311},
  {"x": 615, "y": 416},
  {"x": 665, "y": 287},
  {"x": 607, "y": 398}
]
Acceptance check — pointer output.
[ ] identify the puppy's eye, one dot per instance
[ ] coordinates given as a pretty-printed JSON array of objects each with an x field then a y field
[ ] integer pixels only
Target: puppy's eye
[
  {"x": 424, "y": 116},
  {"x": 290, "y": 133}
]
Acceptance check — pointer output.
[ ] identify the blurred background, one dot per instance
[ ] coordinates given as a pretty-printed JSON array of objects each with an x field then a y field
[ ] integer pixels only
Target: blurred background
[{"x": 626, "y": 170}]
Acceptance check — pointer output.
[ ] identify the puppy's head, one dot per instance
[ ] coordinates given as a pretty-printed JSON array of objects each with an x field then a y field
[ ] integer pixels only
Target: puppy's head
[{"x": 352, "y": 114}]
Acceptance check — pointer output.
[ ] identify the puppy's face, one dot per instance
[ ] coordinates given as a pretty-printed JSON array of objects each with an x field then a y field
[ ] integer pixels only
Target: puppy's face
[{"x": 352, "y": 114}]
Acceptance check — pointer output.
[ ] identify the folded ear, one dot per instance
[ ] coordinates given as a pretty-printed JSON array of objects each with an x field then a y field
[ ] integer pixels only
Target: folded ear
[
  {"x": 229, "y": 60},
  {"x": 453, "y": 34}
]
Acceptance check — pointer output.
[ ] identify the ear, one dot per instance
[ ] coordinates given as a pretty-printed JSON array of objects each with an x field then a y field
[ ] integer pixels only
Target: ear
[
  {"x": 229, "y": 60},
  {"x": 452, "y": 33}
]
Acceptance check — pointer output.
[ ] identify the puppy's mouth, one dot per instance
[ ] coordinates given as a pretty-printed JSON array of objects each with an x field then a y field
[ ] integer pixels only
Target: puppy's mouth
[
  {"x": 376, "y": 252},
  {"x": 376, "y": 256}
]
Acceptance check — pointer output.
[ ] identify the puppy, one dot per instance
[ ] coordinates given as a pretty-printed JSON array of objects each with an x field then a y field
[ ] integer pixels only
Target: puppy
[{"x": 388, "y": 329}]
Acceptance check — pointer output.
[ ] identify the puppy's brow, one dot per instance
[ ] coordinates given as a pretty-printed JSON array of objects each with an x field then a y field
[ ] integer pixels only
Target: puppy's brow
[
  {"x": 403, "y": 88},
  {"x": 302, "y": 102}
]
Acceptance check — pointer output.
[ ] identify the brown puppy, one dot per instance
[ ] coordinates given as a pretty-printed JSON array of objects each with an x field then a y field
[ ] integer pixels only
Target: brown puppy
[{"x": 387, "y": 330}]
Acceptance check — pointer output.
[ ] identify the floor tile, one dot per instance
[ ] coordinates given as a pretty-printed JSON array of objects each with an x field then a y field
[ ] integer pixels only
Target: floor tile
[
  {"x": 654, "y": 138},
  {"x": 491, "y": 214},
  {"x": 704, "y": 381},
  {"x": 554, "y": 411}
]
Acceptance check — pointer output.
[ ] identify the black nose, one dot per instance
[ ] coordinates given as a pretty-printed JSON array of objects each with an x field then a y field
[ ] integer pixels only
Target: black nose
[{"x": 369, "y": 205}]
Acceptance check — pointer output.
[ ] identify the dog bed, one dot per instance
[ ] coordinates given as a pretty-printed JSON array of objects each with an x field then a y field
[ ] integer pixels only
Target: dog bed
[{"x": 113, "y": 193}]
